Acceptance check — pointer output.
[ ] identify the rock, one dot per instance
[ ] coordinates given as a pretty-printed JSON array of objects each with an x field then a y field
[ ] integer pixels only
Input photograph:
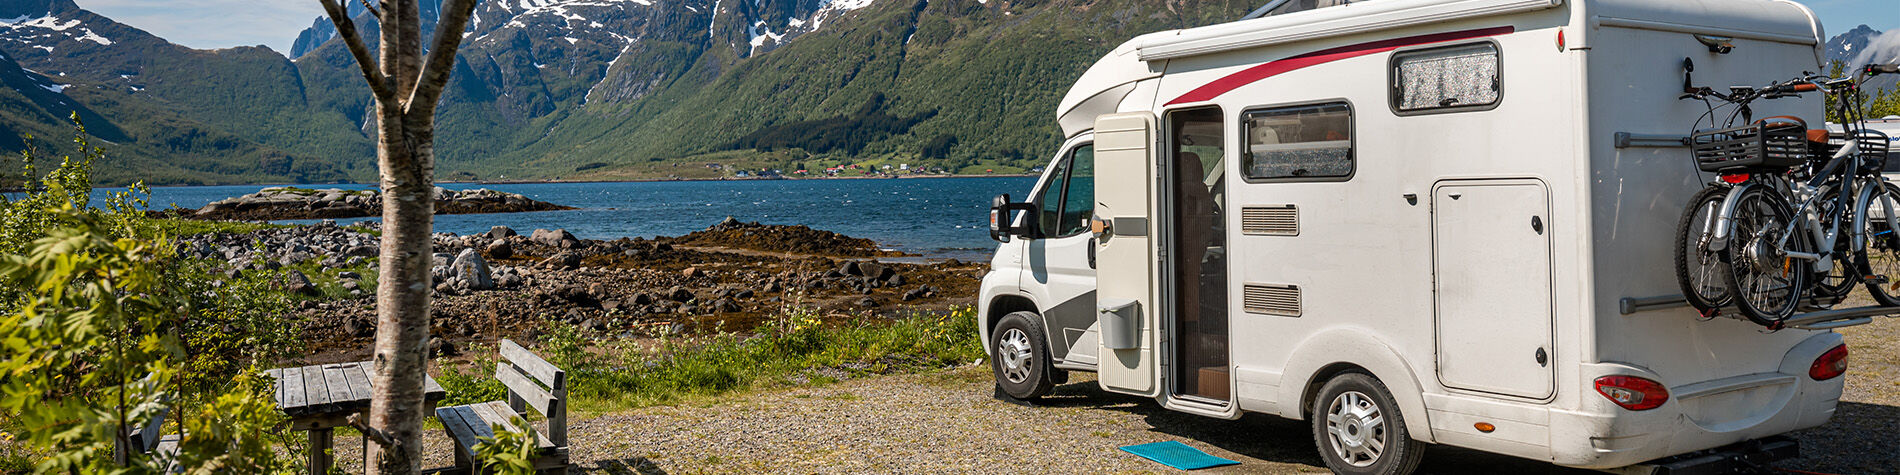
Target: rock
[
  {"x": 850, "y": 268},
  {"x": 742, "y": 294},
  {"x": 692, "y": 272},
  {"x": 593, "y": 325},
  {"x": 297, "y": 283},
  {"x": 663, "y": 247},
  {"x": 722, "y": 293},
  {"x": 578, "y": 295},
  {"x": 867, "y": 302},
  {"x": 473, "y": 270},
  {"x": 952, "y": 263},
  {"x": 643, "y": 298},
  {"x": 556, "y": 238},
  {"x": 327, "y": 223},
  {"x": 361, "y": 251},
  {"x": 439, "y": 348},
  {"x": 610, "y": 305},
  {"x": 499, "y": 232},
  {"x": 729, "y": 222},
  {"x": 680, "y": 294},
  {"x": 500, "y": 249},
  {"x": 872, "y": 270},
  {"x": 895, "y": 280},
  {"x": 725, "y": 306},
  {"x": 563, "y": 260}
]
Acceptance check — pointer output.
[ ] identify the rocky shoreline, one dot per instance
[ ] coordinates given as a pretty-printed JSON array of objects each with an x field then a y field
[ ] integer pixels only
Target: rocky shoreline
[
  {"x": 503, "y": 284},
  {"x": 282, "y": 202}
]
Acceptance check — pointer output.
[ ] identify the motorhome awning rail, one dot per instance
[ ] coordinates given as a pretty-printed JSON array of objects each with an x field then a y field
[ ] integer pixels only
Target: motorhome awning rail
[{"x": 1327, "y": 22}]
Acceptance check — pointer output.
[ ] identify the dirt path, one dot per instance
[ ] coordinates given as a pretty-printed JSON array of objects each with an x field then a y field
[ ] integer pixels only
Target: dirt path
[{"x": 948, "y": 422}]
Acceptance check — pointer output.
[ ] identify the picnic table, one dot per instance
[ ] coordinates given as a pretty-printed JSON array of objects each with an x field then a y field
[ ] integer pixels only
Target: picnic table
[{"x": 320, "y": 398}]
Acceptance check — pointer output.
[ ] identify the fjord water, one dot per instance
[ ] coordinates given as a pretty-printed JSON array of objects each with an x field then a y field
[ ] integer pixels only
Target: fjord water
[{"x": 934, "y": 217}]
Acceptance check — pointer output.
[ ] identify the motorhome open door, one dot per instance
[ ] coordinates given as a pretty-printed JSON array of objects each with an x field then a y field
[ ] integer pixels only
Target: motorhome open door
[{"x": 1125, "y": 253}]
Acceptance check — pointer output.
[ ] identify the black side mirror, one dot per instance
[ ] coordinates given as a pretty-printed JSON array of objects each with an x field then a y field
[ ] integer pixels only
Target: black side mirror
[{"x": 1002, "y": 215}]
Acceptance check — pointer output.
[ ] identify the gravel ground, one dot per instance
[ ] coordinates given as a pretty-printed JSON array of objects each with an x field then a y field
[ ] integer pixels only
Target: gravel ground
[{"x": 948, "y": 422}]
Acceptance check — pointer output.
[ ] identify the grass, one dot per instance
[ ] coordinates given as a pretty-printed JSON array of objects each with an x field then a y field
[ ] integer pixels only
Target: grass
[{"x": 797, "y": 349}]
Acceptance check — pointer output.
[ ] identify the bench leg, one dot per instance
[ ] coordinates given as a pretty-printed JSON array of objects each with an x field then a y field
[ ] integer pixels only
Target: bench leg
[{"x": 320, "y": 457}]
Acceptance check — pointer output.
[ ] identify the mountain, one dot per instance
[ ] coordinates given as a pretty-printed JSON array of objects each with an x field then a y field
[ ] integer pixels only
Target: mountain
[
  {"x": 1862, "y": 45},
  {"x": 166, "y": 113},
  {"x": 587, "y": 88},
  {"x": 605, "y": 88}
]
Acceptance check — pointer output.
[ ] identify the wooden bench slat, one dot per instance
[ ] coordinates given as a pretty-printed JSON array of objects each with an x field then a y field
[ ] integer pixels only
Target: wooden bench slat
[
  {"x": 533, "y": 365},
  {"x": 522, "y": 387},
  {"x": 277, "y": 385},
  {"x": 339, "y": 386},
  {"x": 316, "y": 391},
  {"x": 457, "y": 420},
  {"x": 501, "y": 408},
  {"x": 294, "y": 396}
]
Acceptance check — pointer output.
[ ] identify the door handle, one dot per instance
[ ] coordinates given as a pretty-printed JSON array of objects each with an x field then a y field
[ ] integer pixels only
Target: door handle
[{"x": 1091, "y": 253}]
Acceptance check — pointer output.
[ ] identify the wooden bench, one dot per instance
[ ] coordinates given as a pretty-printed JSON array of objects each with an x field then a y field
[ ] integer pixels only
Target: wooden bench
[
  {"x": 532, "y": 384},
  {"x": 147, "y": 440}
]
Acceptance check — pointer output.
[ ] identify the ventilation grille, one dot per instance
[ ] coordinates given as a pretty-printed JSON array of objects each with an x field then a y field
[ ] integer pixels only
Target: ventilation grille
[
  {"x": 1283, "y": 220},
  {"x": 1282, "y": 300}
]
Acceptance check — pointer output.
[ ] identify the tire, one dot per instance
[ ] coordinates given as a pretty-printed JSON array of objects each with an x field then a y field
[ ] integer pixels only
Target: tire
[
  {"x": 1879, "y": 259},
  {"x": 1699, "y": 269},
  {"x": 1768, "y": 286},
  {"x": 1358, "y": 429},
  {"x": 1020, "y": 358}
]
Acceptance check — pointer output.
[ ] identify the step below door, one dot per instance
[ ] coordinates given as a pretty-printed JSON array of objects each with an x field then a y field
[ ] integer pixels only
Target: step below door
[{"x": 1491, "y": 252}]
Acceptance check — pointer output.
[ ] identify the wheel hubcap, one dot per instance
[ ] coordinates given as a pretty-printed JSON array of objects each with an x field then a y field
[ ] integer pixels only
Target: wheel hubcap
[
  {"x": 1012, "y": 349},
  {"x": 1356, "y": 429}
]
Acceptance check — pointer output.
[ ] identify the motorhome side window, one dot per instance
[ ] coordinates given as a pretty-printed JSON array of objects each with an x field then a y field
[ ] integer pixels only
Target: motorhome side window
[
  {"x": 1452, "y": 78},
  {"x": 1310, "y": 141},
  {"x": 1069, "y": 201}
]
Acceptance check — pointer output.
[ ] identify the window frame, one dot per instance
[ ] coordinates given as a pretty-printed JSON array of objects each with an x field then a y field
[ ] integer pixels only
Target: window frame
[
  {"x": 1066, "y": 163},
  {"x": 1245, "y": 160},
  {"x": 1392, "y": 80}
]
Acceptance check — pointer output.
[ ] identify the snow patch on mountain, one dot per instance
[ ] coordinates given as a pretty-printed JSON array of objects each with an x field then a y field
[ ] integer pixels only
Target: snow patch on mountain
[{"x": 32, "y": 30}]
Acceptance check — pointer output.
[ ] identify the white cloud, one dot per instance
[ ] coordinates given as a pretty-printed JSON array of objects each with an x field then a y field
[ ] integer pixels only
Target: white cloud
[{"x": 210, "y": 24}]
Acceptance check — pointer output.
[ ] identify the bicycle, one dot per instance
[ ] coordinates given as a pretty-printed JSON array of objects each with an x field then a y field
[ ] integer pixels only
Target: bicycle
[{"x": 1773, "y": 256}]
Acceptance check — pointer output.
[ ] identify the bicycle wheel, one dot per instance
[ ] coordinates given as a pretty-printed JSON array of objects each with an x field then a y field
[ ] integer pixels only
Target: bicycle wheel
[
  {"x": 1766, "y": 282},
  {"x": 1879, "y": 257},
  {"x": 1698, "y": 268},
  {"x": 1834, "y": 284}
]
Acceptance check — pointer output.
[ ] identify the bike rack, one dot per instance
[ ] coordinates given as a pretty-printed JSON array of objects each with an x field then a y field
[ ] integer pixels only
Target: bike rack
[
  {"x": 1816, "y": 320},
  {"x": 1628, "y": 140}
]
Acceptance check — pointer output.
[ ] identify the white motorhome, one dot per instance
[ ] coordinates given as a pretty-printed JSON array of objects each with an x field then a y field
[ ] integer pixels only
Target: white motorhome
[{"x": 1414, "y": 221}]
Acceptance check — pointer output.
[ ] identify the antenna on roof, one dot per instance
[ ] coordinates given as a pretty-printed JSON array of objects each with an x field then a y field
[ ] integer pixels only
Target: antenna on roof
[{"x": 1262, "y": 11}]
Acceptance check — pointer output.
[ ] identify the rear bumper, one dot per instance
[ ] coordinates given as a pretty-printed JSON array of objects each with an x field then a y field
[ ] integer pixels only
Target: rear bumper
[
  {"x": 1736, "y": 458},
  {"x": 1699, "y": 416}
]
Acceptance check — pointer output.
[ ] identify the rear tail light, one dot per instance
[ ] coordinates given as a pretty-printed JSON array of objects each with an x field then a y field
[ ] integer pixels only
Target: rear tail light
[
  {"x": 1830, "y": 365},
  {"x": 1633, "y": 393}
]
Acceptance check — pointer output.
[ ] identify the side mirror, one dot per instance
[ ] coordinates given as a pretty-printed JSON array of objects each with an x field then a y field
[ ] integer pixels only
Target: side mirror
[{"x": 1002, "y": 215}]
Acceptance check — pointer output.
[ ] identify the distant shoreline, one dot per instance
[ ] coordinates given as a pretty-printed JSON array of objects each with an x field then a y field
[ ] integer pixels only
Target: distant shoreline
[{"x": 643, "y": 180}]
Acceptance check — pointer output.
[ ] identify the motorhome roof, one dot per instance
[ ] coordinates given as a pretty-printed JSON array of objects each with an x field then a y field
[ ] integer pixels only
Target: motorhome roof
[{"x": 1771, "y": 20}]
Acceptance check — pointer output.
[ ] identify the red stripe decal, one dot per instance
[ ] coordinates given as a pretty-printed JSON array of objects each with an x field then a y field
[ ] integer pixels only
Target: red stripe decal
[{"x": 1255, "y": 74}]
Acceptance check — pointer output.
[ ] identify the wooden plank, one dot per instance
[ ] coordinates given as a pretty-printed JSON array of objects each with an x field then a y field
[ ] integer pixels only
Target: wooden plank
[
  {"x": 534, "y": 366},
  {"x": 358, "y": 377},
  {"x": 293, "y": 391},
  {"x": 339, "y": 387},
  {"x": 502, "y": 411},
  {"x": 431, "y": 391},
  {"x": 316, "y": 392},
  {"x": 520, "y": 386},
  {"x": 458, "y": 426},
  {"x": 277, "y": 385}
]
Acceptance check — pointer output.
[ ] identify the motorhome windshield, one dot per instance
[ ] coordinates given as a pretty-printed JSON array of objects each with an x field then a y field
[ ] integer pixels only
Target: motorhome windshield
[{"x": 1282, "y": 7}]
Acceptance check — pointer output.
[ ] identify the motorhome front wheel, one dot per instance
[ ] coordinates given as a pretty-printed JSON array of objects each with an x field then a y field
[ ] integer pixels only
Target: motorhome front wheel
[
  {"x": 1021, "y": 356},
  {"x": 1358, "y": 429}
]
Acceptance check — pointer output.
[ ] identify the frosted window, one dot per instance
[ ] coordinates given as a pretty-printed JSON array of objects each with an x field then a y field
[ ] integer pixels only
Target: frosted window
[
  {"x": 1464, "y": 76},
  {"x": 1299, "y": 142}
]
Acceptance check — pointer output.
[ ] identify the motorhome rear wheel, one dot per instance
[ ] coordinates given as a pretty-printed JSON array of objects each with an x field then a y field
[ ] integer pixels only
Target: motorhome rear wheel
[{"x": 1359, "y": 430}]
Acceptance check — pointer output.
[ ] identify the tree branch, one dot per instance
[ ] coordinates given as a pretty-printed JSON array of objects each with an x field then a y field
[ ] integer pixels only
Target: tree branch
[
  {"x": 371, "y": 9},
  {"x": 346, "y": 30},
  {"x": 441, "y": 62}
]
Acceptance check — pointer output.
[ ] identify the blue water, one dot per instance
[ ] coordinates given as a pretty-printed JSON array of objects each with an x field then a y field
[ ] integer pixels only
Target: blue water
[{"x": 936, "y": 217}]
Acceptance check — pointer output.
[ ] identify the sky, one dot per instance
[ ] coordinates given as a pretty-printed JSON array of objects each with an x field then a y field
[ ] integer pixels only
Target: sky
[{"x": 208, "y": 24}]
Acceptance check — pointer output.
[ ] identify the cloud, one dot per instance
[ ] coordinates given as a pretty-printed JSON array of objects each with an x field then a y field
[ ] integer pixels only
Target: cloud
[
  {"x": 214, "y": 23},
  {"x": 1883, "y": 49}
]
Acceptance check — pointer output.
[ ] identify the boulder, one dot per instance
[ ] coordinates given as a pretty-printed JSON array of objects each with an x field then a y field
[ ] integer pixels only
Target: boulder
[
  {"x": 556, "y": 238},
  {"x": 680, "y": 294},
  {"x": 297, "y": 283},
  {"x": 725, "y": 306},
  {"x": 500, "y": 249},
  {"x": 471, "y": 269},
  {"x": 563, "y": 260},
  {"x": 499, "y": 232},
  {"x": 692, "y": 272}
]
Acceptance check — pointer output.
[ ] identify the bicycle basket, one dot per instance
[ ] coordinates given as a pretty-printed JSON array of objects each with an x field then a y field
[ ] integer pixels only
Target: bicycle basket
[
  {"x": 1762, "y": 146},
  {"x": 1873, "y": 149}
]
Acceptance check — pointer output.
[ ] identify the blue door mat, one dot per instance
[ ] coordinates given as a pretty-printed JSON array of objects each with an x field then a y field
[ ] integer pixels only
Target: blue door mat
[{"x": 1177, "y": 455}]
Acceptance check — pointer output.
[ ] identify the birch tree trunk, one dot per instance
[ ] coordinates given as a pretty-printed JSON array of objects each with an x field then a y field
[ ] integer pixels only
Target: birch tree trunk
[{"x": 407, "y": 87}]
